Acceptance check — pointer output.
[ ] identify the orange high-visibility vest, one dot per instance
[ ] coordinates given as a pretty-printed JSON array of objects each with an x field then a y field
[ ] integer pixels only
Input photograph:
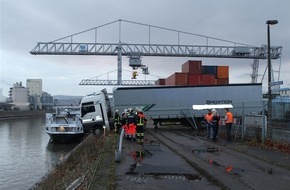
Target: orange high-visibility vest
[
  {"x": 132, "y": 129},
  {"x": 208, "y": 118},
  {"x": 230, "y": 118},
  {"x": 126, "y": 130}
]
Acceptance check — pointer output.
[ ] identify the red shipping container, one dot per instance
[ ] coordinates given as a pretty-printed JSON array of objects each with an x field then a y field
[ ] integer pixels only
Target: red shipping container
[
  {"x": 194, "y": 79},
  {"x": 177, "y": 79},
  {"x": 192, "y": 67},
  {"x": 223, "y": 81},
  {"x": 209, "y": 80},
  {"x": 160, "y": 82},
  {"x": 223, "y": 72}
]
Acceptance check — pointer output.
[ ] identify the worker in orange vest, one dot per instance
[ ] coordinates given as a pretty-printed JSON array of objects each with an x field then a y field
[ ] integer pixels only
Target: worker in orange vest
[
  {"x": 140, "y": 127},
  {"x": 229, "y": 121},
  {"x": 208, "y": 119}
]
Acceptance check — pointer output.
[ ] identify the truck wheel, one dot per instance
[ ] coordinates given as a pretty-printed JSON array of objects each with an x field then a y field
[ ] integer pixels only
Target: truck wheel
[{"x": 97, "y": 131}]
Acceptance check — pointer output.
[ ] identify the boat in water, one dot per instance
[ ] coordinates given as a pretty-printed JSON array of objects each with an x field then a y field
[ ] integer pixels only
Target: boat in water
[{"x": 64, "y": 126}]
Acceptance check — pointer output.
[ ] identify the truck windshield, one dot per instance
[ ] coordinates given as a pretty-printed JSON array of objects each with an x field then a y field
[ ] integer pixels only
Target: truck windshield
[{"x": 87, "y": 108}]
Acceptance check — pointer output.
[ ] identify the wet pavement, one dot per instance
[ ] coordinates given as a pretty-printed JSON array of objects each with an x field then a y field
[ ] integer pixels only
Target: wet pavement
[
  {"x": 176, "y": 161},
  {"x": 159, "y": 168}
]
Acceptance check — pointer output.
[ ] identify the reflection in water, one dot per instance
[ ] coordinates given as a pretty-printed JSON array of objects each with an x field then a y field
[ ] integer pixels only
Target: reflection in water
[
  {"x": 26, "y": 154},
  {"x": 57, "y": 152}
]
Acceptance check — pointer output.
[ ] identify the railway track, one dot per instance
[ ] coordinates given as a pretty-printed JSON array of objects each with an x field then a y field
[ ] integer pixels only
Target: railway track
[{"x": 220, "y": 163}]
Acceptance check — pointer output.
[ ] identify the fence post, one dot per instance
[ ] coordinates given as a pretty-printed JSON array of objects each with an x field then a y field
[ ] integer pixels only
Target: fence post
[
  {"x": 263, "y": 122},
  {"x": 243, "y": 119}
]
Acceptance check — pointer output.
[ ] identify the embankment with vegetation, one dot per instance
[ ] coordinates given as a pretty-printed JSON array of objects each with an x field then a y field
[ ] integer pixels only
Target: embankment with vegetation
[{"x": 90, "y": 165}]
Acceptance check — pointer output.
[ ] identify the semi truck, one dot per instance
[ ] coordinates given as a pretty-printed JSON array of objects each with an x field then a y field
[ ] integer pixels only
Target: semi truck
[
  {"x": 96, "y": 112},
  {"x": 174, "y": 103}
]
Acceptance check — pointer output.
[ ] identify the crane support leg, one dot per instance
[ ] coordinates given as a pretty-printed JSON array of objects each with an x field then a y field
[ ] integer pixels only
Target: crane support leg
[{"x": 119, "y": 65}]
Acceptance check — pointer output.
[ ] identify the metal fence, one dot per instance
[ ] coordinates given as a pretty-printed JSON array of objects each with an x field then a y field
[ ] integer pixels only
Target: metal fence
[
  {"x": 251, "y": 121},
  {"x": 254, "y": 123},
  {"x": 279, "y": 123}
]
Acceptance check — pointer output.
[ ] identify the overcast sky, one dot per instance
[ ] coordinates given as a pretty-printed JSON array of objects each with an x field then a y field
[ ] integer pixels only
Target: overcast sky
[{"x": 26, "y": 22}]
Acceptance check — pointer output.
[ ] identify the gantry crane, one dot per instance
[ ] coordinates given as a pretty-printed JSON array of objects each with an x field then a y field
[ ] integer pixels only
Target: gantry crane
[{"x": 137, "y": 50}]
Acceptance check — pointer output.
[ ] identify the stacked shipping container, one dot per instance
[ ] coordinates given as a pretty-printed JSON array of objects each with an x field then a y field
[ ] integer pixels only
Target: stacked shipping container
[
  {"x": 177, "y": 79},
  {"x": 223, "y": 75},
  {"x": 193, "y": 73},
  {"x": 192, "y": 67},
  {"x": 160, "y": 82}
]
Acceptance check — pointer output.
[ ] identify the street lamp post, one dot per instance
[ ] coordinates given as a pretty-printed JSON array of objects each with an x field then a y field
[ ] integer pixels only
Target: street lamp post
[{"x": 269, "y": 22}]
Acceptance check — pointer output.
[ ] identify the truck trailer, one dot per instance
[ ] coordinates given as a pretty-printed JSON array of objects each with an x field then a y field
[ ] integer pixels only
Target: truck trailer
[{"x": 174, "y": 103}]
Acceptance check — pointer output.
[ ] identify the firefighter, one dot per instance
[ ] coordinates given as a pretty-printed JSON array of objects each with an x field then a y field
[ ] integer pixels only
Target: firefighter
[
  {"x": 117, "y": 123},
  {"x": 131, "y": 123},
  {"x": 140, "y": 127},
  {"x": 124, "y": 125}
]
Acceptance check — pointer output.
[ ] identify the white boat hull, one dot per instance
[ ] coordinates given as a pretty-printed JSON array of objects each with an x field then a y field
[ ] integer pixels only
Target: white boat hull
[{"x": 64, "y": 127}]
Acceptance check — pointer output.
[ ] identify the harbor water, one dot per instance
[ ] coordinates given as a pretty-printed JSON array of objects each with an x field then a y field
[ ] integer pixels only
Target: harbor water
[{"x": 26, "y": 154}]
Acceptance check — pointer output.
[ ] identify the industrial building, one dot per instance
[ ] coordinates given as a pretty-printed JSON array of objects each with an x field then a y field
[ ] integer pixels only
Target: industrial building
[
  {"x": 18, "y": 94},
  {"x": 35, "y": 89},
  {"x": 30, "y": 97}
]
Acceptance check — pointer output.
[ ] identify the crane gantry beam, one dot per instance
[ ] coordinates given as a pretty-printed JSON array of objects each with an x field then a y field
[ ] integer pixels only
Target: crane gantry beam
[
  {"x": 133, "y": 50},
  {"x": 115, "y": 82},
  {"x": 111, "y": 49}
]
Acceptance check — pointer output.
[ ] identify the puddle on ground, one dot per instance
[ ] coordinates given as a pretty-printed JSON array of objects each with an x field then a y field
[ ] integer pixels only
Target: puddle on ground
[
  {"x": 174, "y": 176},
  {"x": 237, "y": 174},
  {"x": 268, "y": 171},
  {"x": 208, "y": 150},
  {"x": 152, "y": 146},
  {"x": 141, "y": 179}
]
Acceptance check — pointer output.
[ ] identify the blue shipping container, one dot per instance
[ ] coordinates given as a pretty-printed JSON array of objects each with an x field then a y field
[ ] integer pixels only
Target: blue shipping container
[{"x": 211, "y": 70}]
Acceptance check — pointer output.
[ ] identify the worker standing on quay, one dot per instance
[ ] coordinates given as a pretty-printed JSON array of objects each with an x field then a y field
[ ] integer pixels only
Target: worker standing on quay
[
  {"x": 215, "y": 124},
  {"x": 117, "y": 123},
  {"x": 140, "y": 127},
  {"x": 131, "y": 123},
  {"x": 124, "y": 124},
  {"x": 229, "y": 121},
  {"x": 208, "y": 119}
]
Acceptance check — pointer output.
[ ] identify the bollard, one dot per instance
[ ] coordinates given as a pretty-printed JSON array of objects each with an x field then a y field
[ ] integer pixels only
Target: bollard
[
  {"x": 118, "y": 153},
  {"x": 104, "y": 127}
]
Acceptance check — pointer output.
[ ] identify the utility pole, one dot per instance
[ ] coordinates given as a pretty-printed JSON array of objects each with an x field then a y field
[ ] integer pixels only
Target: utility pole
[{"x": 269, "y": 22}]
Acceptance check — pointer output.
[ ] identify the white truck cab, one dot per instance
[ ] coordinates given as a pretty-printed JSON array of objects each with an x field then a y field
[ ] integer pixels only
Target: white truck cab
[{"x": 96, "y": 112}]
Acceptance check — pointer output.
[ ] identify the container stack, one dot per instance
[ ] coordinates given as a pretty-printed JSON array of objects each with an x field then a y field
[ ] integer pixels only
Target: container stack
[
  {"x": 194, "y": 71},
  {"x": 223, "y": 75},
  {"x": 160, "y": 82},
  {"x": 210, "y": 75},
  {"x": 177, "y": 79},
  {"x": 194, "y": 74}
]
